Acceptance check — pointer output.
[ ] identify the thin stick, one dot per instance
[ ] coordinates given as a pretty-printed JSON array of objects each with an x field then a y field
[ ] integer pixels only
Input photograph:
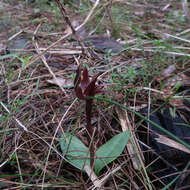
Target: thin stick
[
  {"x": 18, "y": 122},
  {"x": 66, "y": 17}
]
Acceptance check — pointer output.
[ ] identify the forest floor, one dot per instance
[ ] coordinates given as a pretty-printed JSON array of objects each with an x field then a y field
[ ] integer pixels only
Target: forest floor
[{"x": 140, "y": 53}]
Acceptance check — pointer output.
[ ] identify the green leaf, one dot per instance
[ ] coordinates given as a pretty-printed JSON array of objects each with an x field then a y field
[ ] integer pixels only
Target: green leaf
[
  {"x": 75, "y": 151},
  {"x": 111, "y": 150}
]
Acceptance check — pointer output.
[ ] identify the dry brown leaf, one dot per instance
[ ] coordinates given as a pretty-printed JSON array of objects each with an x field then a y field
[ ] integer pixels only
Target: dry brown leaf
[
  {"x": 65, "y": 83},
  {"x": 184, "y": 79},
  {"x": 168, "y": 71},
  {"x": 104, "y": 44}
]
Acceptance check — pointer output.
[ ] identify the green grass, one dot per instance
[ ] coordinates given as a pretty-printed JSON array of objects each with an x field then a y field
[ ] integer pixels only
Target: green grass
[{"x": 40, "y": 106}]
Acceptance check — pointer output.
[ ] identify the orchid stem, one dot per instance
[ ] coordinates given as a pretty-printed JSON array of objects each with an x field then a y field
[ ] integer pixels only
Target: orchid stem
[
  {"x": 90, "y": 130},
  {"x": 88, "y": 117}
]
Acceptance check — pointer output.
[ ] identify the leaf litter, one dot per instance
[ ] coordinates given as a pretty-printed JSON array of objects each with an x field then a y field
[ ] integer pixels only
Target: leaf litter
[{"x": 153, "y": 36}]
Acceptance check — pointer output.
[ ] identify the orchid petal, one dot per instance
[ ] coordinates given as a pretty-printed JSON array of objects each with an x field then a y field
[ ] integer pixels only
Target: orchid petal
[
  {"x": 84, "y": 79},
  {"x": 91, "y": 88}
]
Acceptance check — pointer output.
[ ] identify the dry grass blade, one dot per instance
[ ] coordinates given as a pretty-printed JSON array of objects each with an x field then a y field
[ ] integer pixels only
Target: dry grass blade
[
  {"x": 101, "y": 182},
  {"x": 171, "y": 143},
  {"x": 63, "y": 51},
  {"x": 18, "y": 122},
  {"x": 97, "y": 183},
  {"x": 45, "y": 63},
  {"x": 186, "y": 8},
  {"x": 133, "y": 148},
  {"x": 166, "y": 52},
  {"x": 125, "y": 124}
]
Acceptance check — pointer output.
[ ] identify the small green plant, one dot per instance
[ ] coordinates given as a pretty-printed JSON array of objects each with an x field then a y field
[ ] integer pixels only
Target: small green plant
[{"x": 74, "y": 149}]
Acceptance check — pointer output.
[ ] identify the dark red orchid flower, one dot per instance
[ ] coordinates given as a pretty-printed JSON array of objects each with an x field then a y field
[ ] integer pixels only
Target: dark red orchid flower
[{"x": 84, "y": 87}]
